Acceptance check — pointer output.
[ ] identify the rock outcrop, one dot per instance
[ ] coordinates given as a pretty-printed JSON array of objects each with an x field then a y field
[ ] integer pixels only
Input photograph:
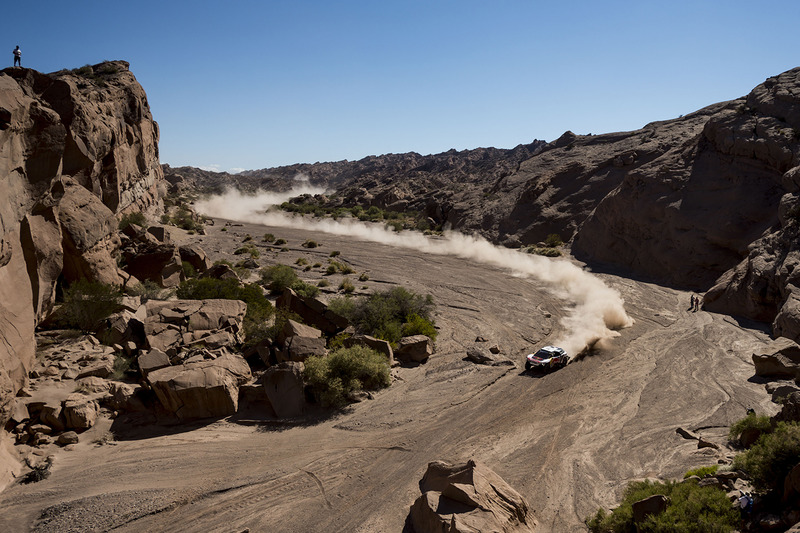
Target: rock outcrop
[
  {"x": 466, "y": 498},
  {"x": 77, "y": 149},
  {"x": 201, "y": 389}
]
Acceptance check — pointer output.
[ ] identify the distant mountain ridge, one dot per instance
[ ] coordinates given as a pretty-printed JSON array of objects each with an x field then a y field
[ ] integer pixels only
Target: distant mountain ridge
[{"x": 710, "y": 199}]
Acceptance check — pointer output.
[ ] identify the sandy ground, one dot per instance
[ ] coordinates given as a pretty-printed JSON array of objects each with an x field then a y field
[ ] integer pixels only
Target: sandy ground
[{"x": 568, "y": 441}]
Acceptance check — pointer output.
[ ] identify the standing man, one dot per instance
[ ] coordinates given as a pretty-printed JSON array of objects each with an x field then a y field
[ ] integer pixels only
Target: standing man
[{"x": 17, "y": 56}]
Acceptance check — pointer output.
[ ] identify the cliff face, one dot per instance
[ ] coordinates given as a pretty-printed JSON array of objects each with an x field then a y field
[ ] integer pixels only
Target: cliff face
[{"x": 77, "y": 148}]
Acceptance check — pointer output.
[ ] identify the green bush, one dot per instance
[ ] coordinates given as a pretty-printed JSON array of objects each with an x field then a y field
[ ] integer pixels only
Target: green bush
[
  {"x": 323, "y": 283},
  {"x": 301, "y": 288},
  {"x": 259, "y": 308},
  {"x": 692, "y": 509},
  {"x": 86, "y": 303},
  {"x": 417, "y": 325},
  {"x": 310, "y": 244},
  {"x": 347, "y": 286},
  {"x": 363, "y": 277},
  {"x": 553, "y": 240},
  {"x": 248, "y": 249},
  {"x": 343, "y": 371},
  {"x": 762, "y": 423},
  {"x": 279, "y": 242},
  {"x": 278, "y": 278},
  {"x": 137, "y": 218},
  {"x": 268, "y": 237},
  {"x": 384, "y": 314},
  {"x": 301, "y": 261},
  {"x": 771, "y": 458},
  {"x": 702, "y": 471},
  {"x": 188, "y": 270},
  {"x": 247, "y": 238},
  {"x": 335, "y": 253}
]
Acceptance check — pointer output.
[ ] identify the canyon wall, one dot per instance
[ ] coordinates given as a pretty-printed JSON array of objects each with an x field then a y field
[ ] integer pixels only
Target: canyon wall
[{"x": 77, "y": 150}]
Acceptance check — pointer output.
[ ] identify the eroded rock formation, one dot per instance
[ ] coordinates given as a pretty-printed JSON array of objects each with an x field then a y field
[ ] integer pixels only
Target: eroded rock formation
[{"x": 77, "y": 149}]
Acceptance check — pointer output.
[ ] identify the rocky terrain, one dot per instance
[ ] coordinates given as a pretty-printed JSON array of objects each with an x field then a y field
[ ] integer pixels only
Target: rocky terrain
[
  {"x": 707, "y": 200},
  {"x": 203, "y": 433},
  {"x": 77, "y": 149}
]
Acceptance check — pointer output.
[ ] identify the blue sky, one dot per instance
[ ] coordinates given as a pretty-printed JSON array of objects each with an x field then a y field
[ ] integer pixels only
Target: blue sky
[{"x": 248, "y": 84}]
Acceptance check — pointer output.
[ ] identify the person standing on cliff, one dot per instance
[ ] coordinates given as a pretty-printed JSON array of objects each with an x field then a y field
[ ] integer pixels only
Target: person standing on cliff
[{"x": 17, "y": 56}]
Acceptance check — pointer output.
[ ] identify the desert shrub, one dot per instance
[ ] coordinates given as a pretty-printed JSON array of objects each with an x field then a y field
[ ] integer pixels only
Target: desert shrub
[
  {"x": 343, "y": 371},
  {"x": 86, "y": 303},
  {"x": 323, "y": 283},
  {"x": 279, "y": 242},
  {"x": 347, "y": 286},
  {"x": 183, "y": 218},
  {"x": 692, "y": 509},
  {"x": 305, "y": 289},
  {"x": 310, "y": 244},
  {"x": 762, "y": 423},
  {"x": 416, "y": 325},
  {"x": 301, "y": 261},
  {"x": 307, "y": 268},
  {"x": 546, "y": 252},
  {"x": 268, "y": 237},
  {"x": 383, "y": 314},
  {"x": 188, "y": 270},
  {"x": 223, "y": 229},
  {"x": 702, "y": 471},
  {"x": 317, "y": 265},
  {"x": 248, "y": 249},
  {"x": 137, "y": 218},
  {"x": 335, "y": 253},
  {"x": 346, "y": 269},
  {"x": 553, "y": 240},
  {"x": 331, "y": 270},
  {"x": 259, "y": 308},
  {"x": 771, "y": 458},
  {"x": 277, "y": 278},
  {"x": 247, "y": 238},
  {"x": 284, "y": 249},
  {"x": 363, "y": 277}
]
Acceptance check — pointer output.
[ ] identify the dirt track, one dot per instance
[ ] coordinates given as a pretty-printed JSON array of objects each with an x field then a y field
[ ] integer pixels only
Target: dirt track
[{"x": 568, "y": 441}]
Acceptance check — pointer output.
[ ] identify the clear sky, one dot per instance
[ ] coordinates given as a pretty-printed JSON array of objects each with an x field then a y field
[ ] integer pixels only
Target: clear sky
[{"x": 252, "y": 84}]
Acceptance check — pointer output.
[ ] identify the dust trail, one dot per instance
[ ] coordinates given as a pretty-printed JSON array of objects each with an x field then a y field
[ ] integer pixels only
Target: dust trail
[{"x": 598, "y": 309}]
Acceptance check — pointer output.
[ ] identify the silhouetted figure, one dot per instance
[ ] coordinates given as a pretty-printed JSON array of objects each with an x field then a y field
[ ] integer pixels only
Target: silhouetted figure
[
  {"x": 696, "y": 303},
  {"x": 17, "y": 56},
  {"x": 692, "y": 304}
]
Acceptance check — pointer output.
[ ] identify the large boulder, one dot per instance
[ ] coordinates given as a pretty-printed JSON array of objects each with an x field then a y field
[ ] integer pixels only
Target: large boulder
[
  {"x": 201, "y": 389},
  {"x": 312, "y": 311},
  {"x": 195, "y": 256},
  {"x": 285, "y": 389},
  {"x": 414, "y": 349},
  {"x": 80, "y": 412},
  {"x": 160, "y": 263},
  {"x": 468, "y": 498},
  {"x": 300, "y": 348},
  {"x": 784, "y": 363},
  {"x": 654, "y": 505}
]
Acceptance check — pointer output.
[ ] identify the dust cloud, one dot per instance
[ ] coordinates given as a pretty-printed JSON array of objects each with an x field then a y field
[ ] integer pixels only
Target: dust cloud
[{"x": 595, "y": 312}]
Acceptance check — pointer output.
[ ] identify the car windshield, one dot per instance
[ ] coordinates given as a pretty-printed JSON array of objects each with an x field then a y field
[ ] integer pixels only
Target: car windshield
[{"x": 545, "y": 354}]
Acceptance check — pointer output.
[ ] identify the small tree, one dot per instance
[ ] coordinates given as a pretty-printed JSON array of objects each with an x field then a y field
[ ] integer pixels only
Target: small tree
[
  {"x": 86, "y": 303},
  {"x": 277, "y": 278}
]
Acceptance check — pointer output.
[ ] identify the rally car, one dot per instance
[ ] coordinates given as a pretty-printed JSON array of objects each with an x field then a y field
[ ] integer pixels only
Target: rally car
[{"x": 547, "y": 358}]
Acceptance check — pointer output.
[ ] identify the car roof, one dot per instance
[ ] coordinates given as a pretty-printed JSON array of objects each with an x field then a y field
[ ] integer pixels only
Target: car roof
[{"x": 552, "y": 349}]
